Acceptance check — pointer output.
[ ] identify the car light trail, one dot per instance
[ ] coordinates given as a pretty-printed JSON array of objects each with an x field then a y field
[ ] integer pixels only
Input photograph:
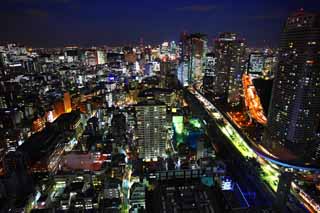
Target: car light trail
[
  {"x": 252, "y": 100},
  {"x": 305, "y": 198},
  {"x": 268, "y": 173}
]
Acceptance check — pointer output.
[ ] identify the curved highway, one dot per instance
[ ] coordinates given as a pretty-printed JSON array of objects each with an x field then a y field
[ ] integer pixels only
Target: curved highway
[
  {"x": 252, "y": 100},
  {"x": 269, "y": 164}
]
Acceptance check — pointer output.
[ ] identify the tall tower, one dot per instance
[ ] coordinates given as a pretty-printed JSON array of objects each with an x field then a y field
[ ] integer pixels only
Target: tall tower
[
  {"x": 210, "y": 72},
  {"x": 294, "y": 113},
  {"x": 230, "y": 53},
  {"x": 193, "y": 55},
  {"x": 151, "y": 129},
  {"x": 197, "y": 58}
]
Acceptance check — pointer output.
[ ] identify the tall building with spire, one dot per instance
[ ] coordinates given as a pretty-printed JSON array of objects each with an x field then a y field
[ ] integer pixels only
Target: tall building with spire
[{"x": 294, "y": 113}]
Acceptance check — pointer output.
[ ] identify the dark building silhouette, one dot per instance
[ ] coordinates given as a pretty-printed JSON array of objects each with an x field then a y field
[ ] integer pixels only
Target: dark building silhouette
[
  {"x": 294, "y": 112},
  {"x": 264, "y": 88}
]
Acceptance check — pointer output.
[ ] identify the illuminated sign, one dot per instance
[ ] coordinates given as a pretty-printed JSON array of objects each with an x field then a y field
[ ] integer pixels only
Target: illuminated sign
[{"x": 226, "y": 184}]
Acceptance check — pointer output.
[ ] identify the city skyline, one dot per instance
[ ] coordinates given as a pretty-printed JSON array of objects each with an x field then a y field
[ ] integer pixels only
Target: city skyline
[{"x": 204, "y": 122}]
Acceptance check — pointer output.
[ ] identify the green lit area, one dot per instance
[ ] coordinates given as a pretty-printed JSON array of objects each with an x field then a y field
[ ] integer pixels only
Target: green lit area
[
  {"x": 124, "y": 208},
  {"x": 178, "y": 124},
  {"x": 270, "y": 175},
  {"x": 183, "y": 131},
  {"x": 195, "y": 123},
  {"x": 268, "y": 171},
  {"x": 179, "y": 138},
  {"x": 238, "y": 143}
]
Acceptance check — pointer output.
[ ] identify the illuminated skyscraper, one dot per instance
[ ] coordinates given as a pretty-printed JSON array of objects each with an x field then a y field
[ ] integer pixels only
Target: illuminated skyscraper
[
  {"x": 182, "y": 73},
  {"x": 294, "y": 114},
  {"x": 262, "y": 64},
  {"x": 151, "y": 128},
  {"x": 101, "y": 57},
  {"x": 230, "y": 53},
  {"x": 209, "y": 72},
  {"x": 198, "y": 56},
  {"x": 164, "y": 48},
  {"x": 193, "y": 53},
  {"x": 270, "y": 65},
  {"x": 256, "y": 63}
]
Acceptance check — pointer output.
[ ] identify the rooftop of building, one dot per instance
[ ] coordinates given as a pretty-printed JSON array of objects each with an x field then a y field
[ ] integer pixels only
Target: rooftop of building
[
  {"x": 71, "y": 117},
  {"x": 193, "y": 197},
  {"x": 154, "y": 91},
  {"x": 41, "y": 143},
  {"x": 151, "y": 102},
  {"x": 45, "y": 142}
]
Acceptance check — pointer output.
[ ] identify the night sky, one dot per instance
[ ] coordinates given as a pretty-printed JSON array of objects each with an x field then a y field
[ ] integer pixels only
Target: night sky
[{"x": 53, "y": 23}]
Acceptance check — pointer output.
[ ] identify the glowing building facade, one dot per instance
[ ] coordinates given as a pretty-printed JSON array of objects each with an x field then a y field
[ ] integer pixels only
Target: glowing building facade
[{"x": 151, "y": 129}]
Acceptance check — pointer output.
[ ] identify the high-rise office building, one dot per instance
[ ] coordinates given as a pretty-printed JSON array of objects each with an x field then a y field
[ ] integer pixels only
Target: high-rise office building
[
  {"x": 182, "y": 73},
  {"x": 167, "y": 69},
  {"x": 262, "y": 64},
  {"x": 294, "y": 114},
  {"x": 270, "y": 65},
  {"x": 209, "y": 72},
  {"x": 230, "y": 53},
  {"x": 192, "y": 58},
  {"x": 198, "y": 56},
  {"x": 151, "y": 129},
  {"x": 101, "y": 57},
  {"x": 256, "y": 63}
]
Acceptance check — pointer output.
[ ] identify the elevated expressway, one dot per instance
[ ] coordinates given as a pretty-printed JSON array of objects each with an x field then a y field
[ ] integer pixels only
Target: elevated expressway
[{"x": 271, "y": 166}]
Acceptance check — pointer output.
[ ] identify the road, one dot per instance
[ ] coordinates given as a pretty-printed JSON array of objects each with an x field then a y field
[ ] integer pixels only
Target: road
[
  {"x": 252, "y": 100},
  {"x": 270, "y": 172}
]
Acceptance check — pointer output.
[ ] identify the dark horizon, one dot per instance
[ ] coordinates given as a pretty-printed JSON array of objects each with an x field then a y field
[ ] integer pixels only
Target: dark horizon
[{"x": 58, "y": 23}]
